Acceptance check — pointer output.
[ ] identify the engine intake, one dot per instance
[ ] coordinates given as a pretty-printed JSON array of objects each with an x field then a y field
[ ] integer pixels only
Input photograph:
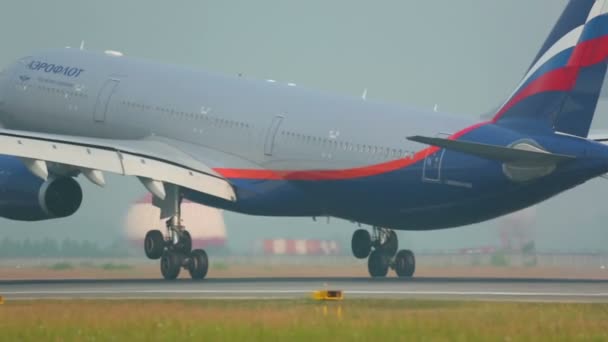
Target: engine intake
[{"x": 60, "y": 197}]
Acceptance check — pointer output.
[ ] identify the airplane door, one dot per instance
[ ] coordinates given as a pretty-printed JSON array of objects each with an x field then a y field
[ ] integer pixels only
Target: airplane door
[
  {"x": 431, "y": 170},
  {"x": 103, "y": 100},
  {"x": 271, "y": 134}
]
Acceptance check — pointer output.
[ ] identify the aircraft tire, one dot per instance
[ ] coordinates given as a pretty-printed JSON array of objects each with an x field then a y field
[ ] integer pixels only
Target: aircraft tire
[
  {"x": 154, "y": 244},
  {"x": 198, "y": 264},
  {"x": 361, "y": 244},
  {"x": 170, "y": 265},
  {"x": 185, "y": 243},
  {"x": 405, "y": 264},
  {"x": 378, "y": 264}
]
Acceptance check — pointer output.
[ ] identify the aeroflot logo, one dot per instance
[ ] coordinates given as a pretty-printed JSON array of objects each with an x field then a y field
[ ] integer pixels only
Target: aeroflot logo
[{"x": 55, "y": 69}]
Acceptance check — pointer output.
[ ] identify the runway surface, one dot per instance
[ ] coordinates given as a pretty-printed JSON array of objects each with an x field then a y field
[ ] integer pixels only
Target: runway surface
[{"x": 551, "y": 290}]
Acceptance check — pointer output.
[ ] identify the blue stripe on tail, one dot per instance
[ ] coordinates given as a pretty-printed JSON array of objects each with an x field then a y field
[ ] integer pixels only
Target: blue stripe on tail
[
  {"x": 573, "y": 16},
  {"x": 562, "y": 93},
  {"x": 577, "y": 111}
]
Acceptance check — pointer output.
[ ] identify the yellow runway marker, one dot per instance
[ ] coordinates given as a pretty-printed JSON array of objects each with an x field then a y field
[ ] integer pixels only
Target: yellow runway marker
[{"x": 328, "y": 295}]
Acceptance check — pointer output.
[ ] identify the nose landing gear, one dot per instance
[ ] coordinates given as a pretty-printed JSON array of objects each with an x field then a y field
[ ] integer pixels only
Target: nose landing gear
[{"x": 381, "y": 247}]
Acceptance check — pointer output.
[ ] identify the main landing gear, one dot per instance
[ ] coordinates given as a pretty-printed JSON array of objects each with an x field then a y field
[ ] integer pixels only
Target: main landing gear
[
  {"x": 381, "y": 247},
  {"x": 175, "y": 250}
]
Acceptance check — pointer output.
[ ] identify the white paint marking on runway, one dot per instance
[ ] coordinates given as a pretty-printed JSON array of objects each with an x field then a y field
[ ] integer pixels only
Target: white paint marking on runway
[
  {"x": 306, "y": 291},
  {"x": 484, "y": 293}
]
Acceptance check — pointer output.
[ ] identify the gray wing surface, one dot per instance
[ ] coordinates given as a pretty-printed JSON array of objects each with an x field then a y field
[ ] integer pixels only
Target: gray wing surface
[{"x": 148, "y": 159}]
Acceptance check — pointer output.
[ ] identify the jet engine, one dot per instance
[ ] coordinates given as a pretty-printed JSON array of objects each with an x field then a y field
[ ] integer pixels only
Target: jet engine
[{"x": 26, "y": 197}]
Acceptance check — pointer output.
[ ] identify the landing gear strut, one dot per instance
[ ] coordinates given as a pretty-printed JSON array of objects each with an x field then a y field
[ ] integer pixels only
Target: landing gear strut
[
  {"x": 175, "y": 249},
  {"x": 381, "y": 246}
]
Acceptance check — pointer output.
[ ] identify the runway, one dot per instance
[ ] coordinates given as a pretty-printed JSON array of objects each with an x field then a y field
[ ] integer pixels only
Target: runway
[{"x": 546, "y": 290}]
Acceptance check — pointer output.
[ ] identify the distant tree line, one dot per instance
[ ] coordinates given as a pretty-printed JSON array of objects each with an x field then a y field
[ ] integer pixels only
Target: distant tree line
[{"x": 66, "y": 248}]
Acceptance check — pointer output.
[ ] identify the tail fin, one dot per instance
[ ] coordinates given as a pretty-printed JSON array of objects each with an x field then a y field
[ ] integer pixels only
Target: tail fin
[{"x": 561, "y": 89}]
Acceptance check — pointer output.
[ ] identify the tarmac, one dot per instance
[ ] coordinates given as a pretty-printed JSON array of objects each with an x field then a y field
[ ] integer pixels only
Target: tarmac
[{"x": 534, "y": 290}]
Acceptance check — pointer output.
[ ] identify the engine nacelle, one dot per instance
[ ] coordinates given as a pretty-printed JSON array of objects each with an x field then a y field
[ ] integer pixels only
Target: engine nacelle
[
  {"x": 524, "y": 172},
  {"x": 25, "y": 197}
]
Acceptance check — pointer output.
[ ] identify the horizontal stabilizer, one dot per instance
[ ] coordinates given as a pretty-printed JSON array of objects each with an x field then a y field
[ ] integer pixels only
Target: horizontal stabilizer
[
  {"x": 598, "y": 135},
  {"x": 500, "y": 153}
]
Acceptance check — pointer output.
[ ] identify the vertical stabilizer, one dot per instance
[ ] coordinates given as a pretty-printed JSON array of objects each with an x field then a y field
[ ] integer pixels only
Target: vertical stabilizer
[{"x": 562, "y": 86}]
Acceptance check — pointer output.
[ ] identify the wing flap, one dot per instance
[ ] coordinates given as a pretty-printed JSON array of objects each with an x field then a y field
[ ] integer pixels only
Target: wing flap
[
  {"x": 500, "y": 153},
  {"x": 62, "y": 153},
  {"x": 150, "y": 168},
  {"x": 148, "y": 159}
]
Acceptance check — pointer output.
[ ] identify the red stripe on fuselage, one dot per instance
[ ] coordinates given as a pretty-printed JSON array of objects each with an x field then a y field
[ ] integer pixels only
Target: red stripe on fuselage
[
  {"x": 323, "y": 175},
  {"x": 468, "y": 130},
  {"x": 319, "y": 175},
  {"x": 250, "y": 174}
]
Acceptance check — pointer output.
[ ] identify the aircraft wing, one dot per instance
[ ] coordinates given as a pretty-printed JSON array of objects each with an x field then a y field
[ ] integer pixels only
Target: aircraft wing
[
  {"x": 150, "y": 160},
  {"x": 500, "y": 153}
]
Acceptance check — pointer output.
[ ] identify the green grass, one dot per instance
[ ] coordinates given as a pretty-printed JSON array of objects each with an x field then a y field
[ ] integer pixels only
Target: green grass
[
  {"x": 86, "y": 264},
  {"x": 115, "y": 267},
  {"x": 219, "y": 266},
  {"x": 301, "y": 320},
  {"x": 61, "y": 266},
  {"x": 499, "y": 259},
  {"x": 110, "y": 266}
]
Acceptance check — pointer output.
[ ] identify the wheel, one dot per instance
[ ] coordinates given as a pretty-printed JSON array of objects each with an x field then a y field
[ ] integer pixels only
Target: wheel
[
  {"x": 199, "y": 264},
  {"x": 171, "y": 264},
  {"x": 391, "y": 245},
  {"x": 154, "y": 244},
  {"x": 185, "y": 242},
  {"x": 377, "y": 264},
  {"x": 405, "y": 264},
  {"x": 361, "y": 244}
]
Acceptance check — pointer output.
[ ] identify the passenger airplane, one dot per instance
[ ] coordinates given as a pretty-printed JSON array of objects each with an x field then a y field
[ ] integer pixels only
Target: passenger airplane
[{"x": 265, "y": 148}]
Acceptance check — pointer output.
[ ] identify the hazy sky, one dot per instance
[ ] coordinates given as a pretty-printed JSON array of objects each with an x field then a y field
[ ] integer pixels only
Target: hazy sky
[{"x": 465, "y": 56}]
